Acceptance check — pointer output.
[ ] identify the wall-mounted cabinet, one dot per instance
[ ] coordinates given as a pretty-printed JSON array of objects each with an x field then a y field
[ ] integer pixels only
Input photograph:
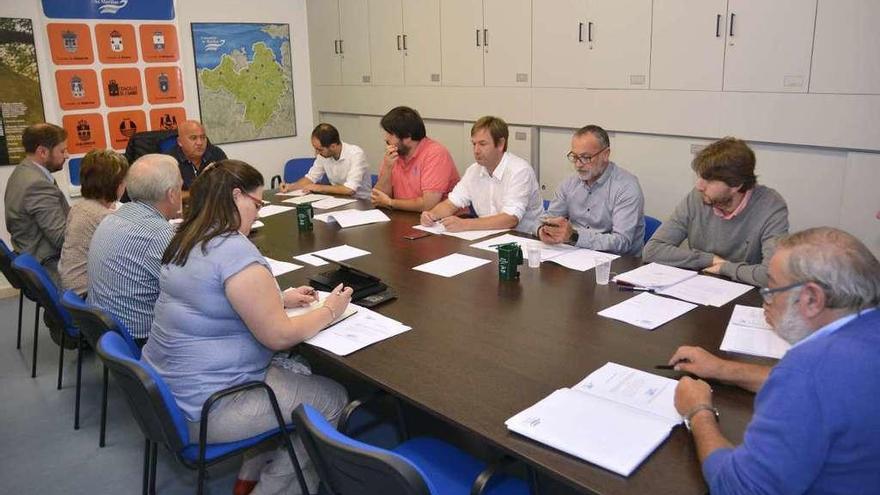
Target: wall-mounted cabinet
[
  {"x": 845, "y": 50},
  {"x": 339, "y": 41},
  {"x": 405, "y": 42}
]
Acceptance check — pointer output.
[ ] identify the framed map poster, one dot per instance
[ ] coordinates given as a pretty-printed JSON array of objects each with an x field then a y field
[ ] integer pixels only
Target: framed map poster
[
  {"x": 21, "y": 102},
  {"x": 245, "y": 80}
]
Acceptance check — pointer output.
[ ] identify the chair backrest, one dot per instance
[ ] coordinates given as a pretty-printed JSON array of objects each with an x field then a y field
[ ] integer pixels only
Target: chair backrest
[
  {"x": 94, "y": 322},
  {"x": 151, "y": 402},
  {"x": 146, "y": 142},
  {"x": 73, "y": 166},
  {"x": 346, "y": 465},
  {"x": 168, "y": 143},
  {"x": 651, "y": 226},
  {"x": 373, "y": 180},
  {"x": 42, "y": 289},
  {"x": 6, "y": 257},
  {"x": 296, "y": 168}
]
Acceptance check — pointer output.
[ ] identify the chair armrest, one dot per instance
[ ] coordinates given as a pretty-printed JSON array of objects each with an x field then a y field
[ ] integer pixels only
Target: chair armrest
[
  {"x": 483, "y": 478},
  {"x": 352, "y": 406}
]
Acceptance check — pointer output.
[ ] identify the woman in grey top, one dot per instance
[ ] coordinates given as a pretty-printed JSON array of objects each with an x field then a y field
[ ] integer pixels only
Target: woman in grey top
[
  {"x": 102, "y": 177},
  {"x": 219, "y": 319}
]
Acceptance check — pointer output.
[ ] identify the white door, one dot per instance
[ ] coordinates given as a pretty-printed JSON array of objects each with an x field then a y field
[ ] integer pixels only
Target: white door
[
  {"x": 323, "y": 18},
  {"x": 461, "y": 35},
  {"x": 687, "y": 44},
  {"x": 769, "y": 45},
  {"x": 507, "y": 42},
  {"x": 354, "y": 42},
  {"x": 386, "y": 42},
  {"x": 619, "y": 43},
  {"x": 421, "y": 42},
  {"x": 559, "y": 44},
  {"x": 846, "y": 51}
]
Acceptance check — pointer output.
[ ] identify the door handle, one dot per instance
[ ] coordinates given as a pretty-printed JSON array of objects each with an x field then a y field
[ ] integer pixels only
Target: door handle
[
  {"x": 718, "y": 26},
  {"x": 398, "y": 42},
  {"x": 478, "y": 37},
  {"x": 336, "y": 47},
  {"x": 580, "y": 32},
  {"x": 732, "y": 17},
  {"x": 404, "y": 42},
  {"x": 341, "y": 51},
  {"x": 485, "y": 37},
  {"x": 590, "y": 31}
]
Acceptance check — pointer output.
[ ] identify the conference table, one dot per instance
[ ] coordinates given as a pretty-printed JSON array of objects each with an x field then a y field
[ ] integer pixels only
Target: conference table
[{"x": 481, "y": 350}]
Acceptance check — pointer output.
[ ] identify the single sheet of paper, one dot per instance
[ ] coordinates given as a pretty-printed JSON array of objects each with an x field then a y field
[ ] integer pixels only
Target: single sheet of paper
[
  {"x": 635, "y": 388},
  {"x": 352, "y": 218},
  {"x": 296, "y": 193},
  {"x": 270, "y": 210},
  {"x": 364, "y": 328},
  {"x": 647, "y": 310},
  {"x": 311, "y": 260},
  {"x": 452, "y": 265},
  {"x": 749, "y": 333},
  {"x": 468, "y": 235},
  {"x": 308, "y": 198},
  {"x": 655, "y": 276},
  {"x": 257, "y": 225},
  {"x": 705, "y": 290},
  {"x": 340, "y": 253},
  {"x": 281, "y": 267},
  {"x": 322, "y": 296},
  {"x": 326, "y": 204},
  {"x": 581, "y": 259},
  {"x": 548, "y": 251}
]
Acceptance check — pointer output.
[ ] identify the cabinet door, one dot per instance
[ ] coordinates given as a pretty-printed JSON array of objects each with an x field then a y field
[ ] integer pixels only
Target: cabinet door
[
  {"x": 555, "y": 167},
  {"x": 846, "y": 47},
  {"x": 355, "y": 44},
  {"x": 323, "y": 18},
  {"x": 769, "y": 45},
  {"x": 386, "y": 42},
  {"x": 559, "y": 44},
  {"x": 507, "y": 43},
  {"x": 421, "y": 47},
  {"x": 461, "y": 35},
  {"x": 618, "y": 37},
  {"x": 687, "y": 44}
]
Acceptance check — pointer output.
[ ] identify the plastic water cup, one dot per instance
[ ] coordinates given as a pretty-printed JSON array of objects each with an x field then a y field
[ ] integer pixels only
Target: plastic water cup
[
  {"x": 534, "y": 254},
  {"x": 603, "y": 270}
]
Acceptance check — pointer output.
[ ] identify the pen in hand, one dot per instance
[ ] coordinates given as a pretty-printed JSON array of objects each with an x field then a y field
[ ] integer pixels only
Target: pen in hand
[{"x": 670, "y": 366}]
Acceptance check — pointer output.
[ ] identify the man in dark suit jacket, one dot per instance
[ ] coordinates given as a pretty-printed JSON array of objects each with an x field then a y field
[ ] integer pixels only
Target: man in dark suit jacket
[{"x": 36, "y": 209}]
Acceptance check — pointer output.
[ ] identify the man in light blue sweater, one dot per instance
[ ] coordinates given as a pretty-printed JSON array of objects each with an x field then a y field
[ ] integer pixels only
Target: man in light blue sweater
[{"x": 816, "y": 425}]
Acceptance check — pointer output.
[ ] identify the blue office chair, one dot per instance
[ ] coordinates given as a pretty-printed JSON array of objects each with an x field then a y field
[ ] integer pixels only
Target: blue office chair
[
  {"x": 6, "y": 258},
  {"x": 546, "y": 204},
  {"x": 42, "y": 288},
  {"x": 296, "y": 168},
  {"x": 162, "y": 421},
  {"x": 373, "y": 180},
  {"x": 167, "y": 144},
  {"x": 651, "y": 226},
  {"x": 420, "y": 466},
  {"x": 92, "y": 324},
  {"x": 73, "y": 170}
]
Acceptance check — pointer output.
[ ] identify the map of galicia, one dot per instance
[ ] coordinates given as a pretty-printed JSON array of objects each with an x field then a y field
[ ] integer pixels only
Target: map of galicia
[{"x": 245, "y": 80}]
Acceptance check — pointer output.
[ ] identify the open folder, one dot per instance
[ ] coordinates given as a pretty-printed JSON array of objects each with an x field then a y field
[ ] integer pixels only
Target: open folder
[{"x": 615, "y": 417}]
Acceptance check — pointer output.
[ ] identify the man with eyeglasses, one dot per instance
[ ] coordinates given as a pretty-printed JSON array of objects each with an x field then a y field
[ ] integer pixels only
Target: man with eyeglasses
[
  {"x": 816, "y": 425},
  {"x": 601, "y": 206},
  {"x": 728, "y": 219}
]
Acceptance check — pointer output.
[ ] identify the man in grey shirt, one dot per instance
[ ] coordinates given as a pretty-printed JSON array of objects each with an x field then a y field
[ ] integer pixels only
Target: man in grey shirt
[
  {"x": 601, "y": 207},
  {"x": 730, "y": 222}
]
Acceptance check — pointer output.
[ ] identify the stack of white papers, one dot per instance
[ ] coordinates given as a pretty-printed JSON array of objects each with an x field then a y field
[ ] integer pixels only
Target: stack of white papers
[
  {"x": 364, "y": 328},
  {"x": 647, "y": 310},
  {"x": 281, "y": 267},
  {"x": 614, "y": 418},
  {"x": 338, "y": 253},
  {"x": 351, "y": 218},
  {"x": 548, "y": 251},
  {"x": 452, "y": 265},
  {"x": 308, "y": 198},
  {"x": 581, "y": 259},
  {"x": 326, "y": 204},
  {"x": 270, "y": 210},
  {"x": 322, "y": 296},
  {"x": 749, "y": 333},
  {"x": 468, "y": 235},
  {"x": 655, "y": 276},
  {"x": 708, "y": 291}
]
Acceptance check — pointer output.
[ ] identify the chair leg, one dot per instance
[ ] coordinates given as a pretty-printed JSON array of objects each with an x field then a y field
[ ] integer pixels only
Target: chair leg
[
  {"x": 61, "y": 356},
  {"x": 102, "y": 438},
  {"x": 296, "y": 467},
  {"x": 20, "y": 308},
  {"x": 146, "y": 483},
  {"x": 532, "y": 474},
  {"x": 79, "y": 359},
  {"x": 154, "y": 452},
  {"x": 36, "y": 339},
  {"x": 201, "y": 487}
]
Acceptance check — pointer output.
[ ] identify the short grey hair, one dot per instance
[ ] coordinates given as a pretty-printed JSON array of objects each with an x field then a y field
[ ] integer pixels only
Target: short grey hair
[
  {"x": 600, "y": 134},
  {"x": 840, "y": 263},
  {"x": 151, "y": 176}
]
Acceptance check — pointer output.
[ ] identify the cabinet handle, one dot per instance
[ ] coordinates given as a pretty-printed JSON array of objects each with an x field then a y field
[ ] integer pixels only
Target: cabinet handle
[
  {"x": 580, "y": 32},
  {"x": 590, "y": 31},
  {"x": 718, "y": 26},
  {"x": 398, "y": 42},
  {"x": 404, "y": 42},
  {"x": 341, "y": 51},
  {"x": 478, "y": 37},
  {"x": 732, "y": 17},
  {"x": 485, "y": 37},
  {"x": 336, "y": 47}
]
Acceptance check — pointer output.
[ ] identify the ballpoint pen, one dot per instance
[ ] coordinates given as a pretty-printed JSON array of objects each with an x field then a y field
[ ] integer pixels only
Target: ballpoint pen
[{"x": 635, "y": 289}]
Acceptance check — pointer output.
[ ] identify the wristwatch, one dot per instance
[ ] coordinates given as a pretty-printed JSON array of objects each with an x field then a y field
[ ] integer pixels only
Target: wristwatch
[
  {"x": 573, "y": 240},
  {"x": 702, "y": 407}
]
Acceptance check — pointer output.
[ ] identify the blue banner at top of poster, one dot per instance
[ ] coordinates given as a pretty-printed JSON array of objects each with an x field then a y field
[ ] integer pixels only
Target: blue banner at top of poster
[{"x": 151, "y": 10}]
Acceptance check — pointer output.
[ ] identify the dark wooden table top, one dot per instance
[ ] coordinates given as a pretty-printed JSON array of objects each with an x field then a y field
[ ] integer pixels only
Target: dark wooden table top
[{"x": 481, "y": 350}]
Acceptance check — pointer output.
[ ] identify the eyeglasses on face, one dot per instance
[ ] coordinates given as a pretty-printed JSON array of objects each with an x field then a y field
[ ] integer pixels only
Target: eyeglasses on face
[
  {"x": 583, "y": 159},
  {"x": 767, "y": 292},
  {"x": 259, "y": 203}
]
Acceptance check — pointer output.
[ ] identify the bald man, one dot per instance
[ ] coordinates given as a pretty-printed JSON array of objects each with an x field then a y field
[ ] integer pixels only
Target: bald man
[{"x": 193, "y": 151}]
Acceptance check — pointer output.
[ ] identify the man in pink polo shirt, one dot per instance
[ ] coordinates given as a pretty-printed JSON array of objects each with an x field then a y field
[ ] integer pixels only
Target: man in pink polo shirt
[{"x": 416, "y": 172}]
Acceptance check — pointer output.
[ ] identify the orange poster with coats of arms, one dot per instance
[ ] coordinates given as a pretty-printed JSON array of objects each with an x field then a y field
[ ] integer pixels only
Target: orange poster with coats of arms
[
  {"x": 159, "y": 43},
  {"x": 166, "y": 119},
  {"x": 70, "y": 44},
  {"x": 77, "y": 89},
  {"x": 122, "y": 87},
  {"x": 85, "y": 132},
  {"x": 123, "y": 125},
  {"x": 116, "y": 43}
]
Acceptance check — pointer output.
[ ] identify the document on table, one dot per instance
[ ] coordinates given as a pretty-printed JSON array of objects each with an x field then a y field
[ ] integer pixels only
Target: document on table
[
  {"x": 322, "y": 296},
  {"x": 257, "y": 225},
  {"x": 338, "y": 253},
  {"x": 351, "y": 218},
  {"x": 705, "y": 290},
  {"x": 308, "y": 198},
  {"x": 326, "y": 204},
  {"x": 581, "y": 259},
  {"x": 749, "y": 333},
  {"x": 279, "y": 268},
  {"x": 366, "y": 327},
  {"x": 655, "y": 276},
  {"x": 452, "y": 265},
  {"x": 296, "y": 193},
  {"x": 270, "y": 210},
  {"x": 615, "y": 418},
  {"x": 548, "y": 251},
  {"x": 468, "y": 235},
  {"x": 647, "y": 310}
]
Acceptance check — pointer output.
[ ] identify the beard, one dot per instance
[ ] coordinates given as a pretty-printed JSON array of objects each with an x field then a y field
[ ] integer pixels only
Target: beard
[
  {"x": 403, "y": 150},
  {"x": 792, "y": 327},
  {"x": 722, "y": 202}
]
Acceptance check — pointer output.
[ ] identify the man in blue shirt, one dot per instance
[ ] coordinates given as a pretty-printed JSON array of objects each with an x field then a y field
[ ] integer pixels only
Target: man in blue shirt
[
  {"x": 194, "y": 152},
  {"x": 816, "y": 425}
]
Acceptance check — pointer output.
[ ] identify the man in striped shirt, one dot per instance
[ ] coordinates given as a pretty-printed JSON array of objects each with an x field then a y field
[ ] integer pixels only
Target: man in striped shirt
[{"x": 126, "y": 250}]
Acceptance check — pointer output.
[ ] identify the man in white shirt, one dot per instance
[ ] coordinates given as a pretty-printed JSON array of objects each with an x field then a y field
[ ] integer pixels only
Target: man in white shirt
[
  {"x": 500, "y": 186},
  {"x": 344, "y": 165}
]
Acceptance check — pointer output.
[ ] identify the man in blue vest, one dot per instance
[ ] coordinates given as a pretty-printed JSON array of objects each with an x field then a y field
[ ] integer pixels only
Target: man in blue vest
[{"x": 816, "y": 425}]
